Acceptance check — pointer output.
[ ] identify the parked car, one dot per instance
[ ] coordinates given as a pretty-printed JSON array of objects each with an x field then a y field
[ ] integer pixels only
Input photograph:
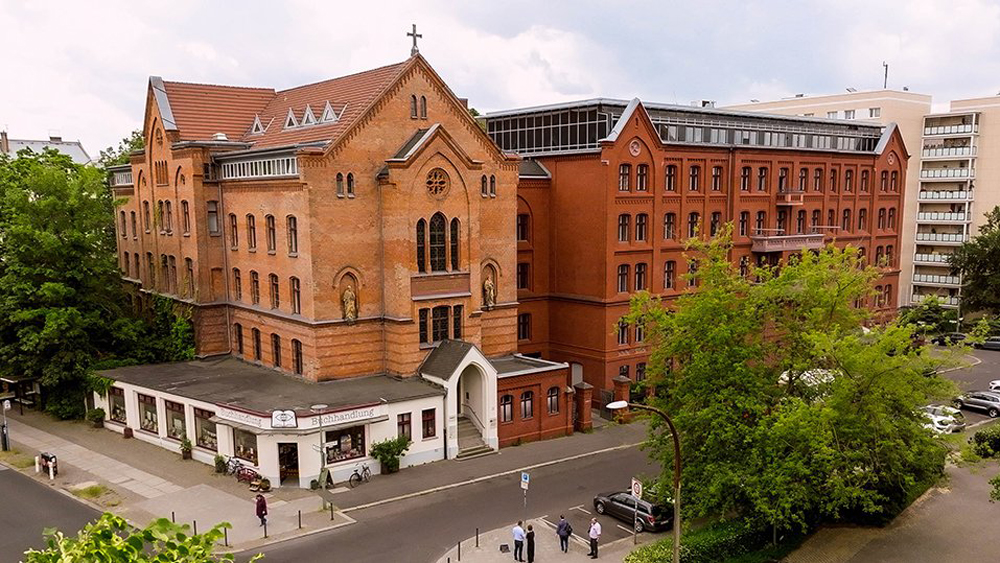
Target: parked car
[
  {"x": 991, "y": 343},
  {"x": 988, "y": 401},
  {"x": 942, "y": 419},
  {"x": 948, "y": 338},
  {"x": 995, "y": 385},
  {"x": 622, "y": 506}
]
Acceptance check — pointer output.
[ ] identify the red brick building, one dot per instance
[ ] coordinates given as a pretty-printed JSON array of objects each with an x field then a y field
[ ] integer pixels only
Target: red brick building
[
  {"x": 610, "y": 190},
  {"x": 359, "y": 227}
]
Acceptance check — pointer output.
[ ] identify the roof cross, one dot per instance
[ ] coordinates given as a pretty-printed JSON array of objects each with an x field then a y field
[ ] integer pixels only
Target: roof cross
[{"x": 415, "y": 36}]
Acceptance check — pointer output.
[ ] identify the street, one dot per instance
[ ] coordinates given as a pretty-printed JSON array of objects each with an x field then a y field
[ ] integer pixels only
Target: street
[
  {"x": 421, "y": 529},
  {"x": 27, "y": 507},
  {"x": 977, "y": 378}
]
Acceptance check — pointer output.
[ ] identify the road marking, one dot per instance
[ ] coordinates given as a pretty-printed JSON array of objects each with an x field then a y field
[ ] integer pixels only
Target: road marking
[
  {"x": 581, "y": 509},
  {"x": 623, "y": 528},
  {"x": 488, "y": 477},
  {"x": 980, "y": 423},
  {"x": 4, "y": 468}
]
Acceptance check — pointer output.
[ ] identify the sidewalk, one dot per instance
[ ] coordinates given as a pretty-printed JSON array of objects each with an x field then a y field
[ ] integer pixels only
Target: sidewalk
[
  {"x": 143, "y": 482},
  {"x": 546, "y": 546},
  {"x": 431, "y": 477}
]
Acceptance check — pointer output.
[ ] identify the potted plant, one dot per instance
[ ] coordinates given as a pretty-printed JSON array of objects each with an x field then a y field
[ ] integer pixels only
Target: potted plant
[
  {"x": 388, "y": 452},
  {"x": 96, "y": 417},
  {"x": 185, "y": 448},
  {"x": 220, "y": 464}
]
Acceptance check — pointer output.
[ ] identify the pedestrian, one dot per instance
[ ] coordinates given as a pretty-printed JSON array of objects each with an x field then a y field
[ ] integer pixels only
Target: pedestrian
[
  {"x": 261, "y": 508},
  {"x": 595, "y": 534},
  {"x": 518, "y": 532},
  {"x": 564, "y": 530},
  {"x": 531, "y": 544}
]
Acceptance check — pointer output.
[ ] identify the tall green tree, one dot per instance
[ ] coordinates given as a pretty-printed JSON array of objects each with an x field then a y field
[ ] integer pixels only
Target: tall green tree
[
  {"x": 111, "y": 539},
  {"x": 929, "y": 316},
  {"x": 978, "y": 262},
  {"x": 113, "y": 156},
  {"x": 789, "y": 411}
]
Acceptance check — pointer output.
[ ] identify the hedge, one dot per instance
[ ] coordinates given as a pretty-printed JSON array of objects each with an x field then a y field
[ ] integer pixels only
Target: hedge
[
  {"x": 986, "y": 443},
  {"x": 711, "y": 544}
]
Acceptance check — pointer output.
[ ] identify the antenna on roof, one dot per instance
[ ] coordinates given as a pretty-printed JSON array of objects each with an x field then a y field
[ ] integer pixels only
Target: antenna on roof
[
  {"x": 885, "y": 80},
  {"x": 852, "y": 90}
]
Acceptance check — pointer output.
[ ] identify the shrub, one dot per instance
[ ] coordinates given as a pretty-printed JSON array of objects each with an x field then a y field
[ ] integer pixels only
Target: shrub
[
  {"x": 389, "y": 451},
  {"x": 220, "y": 464},
  {"x": 95, "y": 415},
  {"x": 986, "y": 443},
  {"x": 718, "y": 542}
]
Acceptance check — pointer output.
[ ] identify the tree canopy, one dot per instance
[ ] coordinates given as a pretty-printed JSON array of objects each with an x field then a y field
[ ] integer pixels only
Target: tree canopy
[
  {"x": 788, "y": 409},
  {"x": 113, "y": 156},
  {"x": 978, "y": 262}
]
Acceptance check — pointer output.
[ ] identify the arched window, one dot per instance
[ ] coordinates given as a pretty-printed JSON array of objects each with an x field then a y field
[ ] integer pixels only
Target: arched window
[
  {"x": 421, "y": 246},
  {"x": 413, "y": 106},
  {"x": 189, "y": 273},
  {"x": 693, "y": 224},
  {"x": 800, "y": 222},
  {"x": 641, "y": 221},
  {"x": 256, "y": 344},
  {"x": 237, "y": 285},
  {"x": 124, "y": 227},
  {"x": 272, "y": 234},
  {"x": 803, "y": 179},
  {"x": 506, "y": 408},
  {"x": 297, "y": 357},
  {"x": 864, "y": 180},
  {"x": 276, "y": 350},
  {"x": 624, "y": 177},
  {"x": 640, "y": 276},
  {"x": 671, "y": 183},
  {"x": 127, "y": 264},
  {"x": 695, "y": 178},
  {"x": 623, "y": 278},
  {"x": 814, "y": 222},
  {"x": 818, "y": 180},
  {"x": 892, "y": 218},
  {"x": 132, "y": 219},
  {"x": 669, "y": 274},
  {"x": 744, "y": 222},
  {"x": 234, "y": 233},
  {"x": 272, "y": 280},
  {"x": 251, "y": 232},
  {"x": 238, "y": 334},
  {"x": 295, "y": 289},
  {"x": 145, "y": 215},
  {"x": 848, "y": 180},
  {"x": 716, "y": 178},
  {"x": 527, "y": 404},
  {"x": 762, "y": 179},
  {"x": 761, "y": 221},
  {"x": 884, "y": 182},
  {"x": 782, "y": 179},
  {"x": 340, "y": 185},
  {"x": 833, "y": 180},
  {"x": 744, "y": 266},
  {"x": 350, "y": 184},
  {"x": 437, "y": 243},
  {"x": 745, "y": 179},
  {"x": 845, "y": 225},
  {"x": 623, "y": 227},
  {"x": 292, "y": 230},
  {"x": 692, "y": 273},
  {"x": 254, "y": 287},
  {"x": 894, "y": 181},
  {"x": 862, "y": 219},
  {"x": 455, "y": 228},
  {"x": 493, "y": 186},
  {"x": 423, "y": 107},
  {"x": 881, "y": 219},
  {"x": 670, "y": 226},
  {"x": 642, "y": 177},
  {"x": 552, "y": 400},
  {"x": 484, "y": 190}
]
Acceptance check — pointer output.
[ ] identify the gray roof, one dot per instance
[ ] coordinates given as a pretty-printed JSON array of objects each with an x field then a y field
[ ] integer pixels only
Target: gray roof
[
  {"x": 444, "y": 359},
  {"x": 72, "y": 149},
  {"x": 516, "y": 364},
  {"x": 529, "y": 168},
  {"x": 228, "y": 381},
  {"x": 404, "y": 150}
]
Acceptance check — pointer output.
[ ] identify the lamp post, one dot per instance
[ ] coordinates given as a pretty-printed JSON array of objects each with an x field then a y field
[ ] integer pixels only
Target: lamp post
[
  {"x": 318, "y": 409},
  {"x": 618, "y": 405}
]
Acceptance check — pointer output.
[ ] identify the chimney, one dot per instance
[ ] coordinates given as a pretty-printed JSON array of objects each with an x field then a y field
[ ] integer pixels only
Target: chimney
[
  {"x": 55, "y": 139},
  {"x": 465, "y": 102},
  {"x": 4, "y": 143},
  {"x": 220, "y": 137}
]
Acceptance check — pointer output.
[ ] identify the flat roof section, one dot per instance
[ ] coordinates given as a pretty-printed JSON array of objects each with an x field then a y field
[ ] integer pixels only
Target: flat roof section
[
  {"x": 231, "y": 382},
  {"x": 516, "y": 364}
]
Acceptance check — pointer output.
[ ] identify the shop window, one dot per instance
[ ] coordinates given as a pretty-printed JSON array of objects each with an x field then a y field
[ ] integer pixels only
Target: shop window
[
  {"x": 176, "y": 423},
  {"x": 345, "y": 444},
  {"x": 204, "y": 430},
  {"x": 148, "y": 418},
  {"x": 527, "y": 404},
  {"x": 403, "y": 426},
  {"x": 116, "y": 398},
  {"x": 506, "y": 408},
  {"x": 429, "y": 417},
  {"x": 552, "y": 400},
  {"x": 245, "y": 445}
]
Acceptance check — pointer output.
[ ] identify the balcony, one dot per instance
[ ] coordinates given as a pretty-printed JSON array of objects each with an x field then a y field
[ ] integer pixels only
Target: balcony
[
  {"x": 775, "y": 240},
  {"x": 933, "y": 279},
  {"x": 931, "y": 259},
  {"x": 945, "y": 238},
  {"x": 945, "y": 301},
  {"x": 948, "y": 152},
  {"x": 941, "y": 217},
  {"x": 961, "y": 129},
  {"x": 791, "y": 196},
  {"x": 947, "y": 173},
  {"x": 945, "y": 195}
]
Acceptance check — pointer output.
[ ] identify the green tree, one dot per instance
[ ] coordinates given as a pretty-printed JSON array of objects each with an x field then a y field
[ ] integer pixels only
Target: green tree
[
  {"x": 788, "y": 410},
  {"x": 111, "y": 539},
  {"x": 929, "y": 316},
  {"x": 113, "y": 156},
  {"x": 978, "y": 262}
]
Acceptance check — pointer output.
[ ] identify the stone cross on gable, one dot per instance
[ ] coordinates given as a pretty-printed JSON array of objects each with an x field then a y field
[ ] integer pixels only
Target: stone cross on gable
[{"x": 415, "y": 36}]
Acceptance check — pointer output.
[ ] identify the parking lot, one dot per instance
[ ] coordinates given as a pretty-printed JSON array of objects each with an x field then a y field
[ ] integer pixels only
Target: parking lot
[{"x": 977, "y": 378}]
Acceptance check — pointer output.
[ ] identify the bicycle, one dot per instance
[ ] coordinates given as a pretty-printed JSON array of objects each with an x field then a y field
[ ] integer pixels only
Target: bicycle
[
  {"x": 364, "y": 475},
  {"x": 233, "y": 465}
]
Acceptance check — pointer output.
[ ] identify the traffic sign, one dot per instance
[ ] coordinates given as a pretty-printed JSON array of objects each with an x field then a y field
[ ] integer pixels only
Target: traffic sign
[
  {"x": 636, "y": 488},
  {"x": 6, "y": 405},
  {"x": 525, "y": 478}
]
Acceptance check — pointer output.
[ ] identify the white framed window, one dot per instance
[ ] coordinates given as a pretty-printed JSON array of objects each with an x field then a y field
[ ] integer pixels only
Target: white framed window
[
  {"x": 848, "y": 114},
  {"x": 832, "y": 114},
  {"x": 874, "y": 112}
]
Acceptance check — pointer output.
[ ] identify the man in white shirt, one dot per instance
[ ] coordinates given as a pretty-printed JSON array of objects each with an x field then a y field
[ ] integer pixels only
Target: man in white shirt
[
  {"x": 518, "y": 532},
  {"x": 595, "y": 534}
]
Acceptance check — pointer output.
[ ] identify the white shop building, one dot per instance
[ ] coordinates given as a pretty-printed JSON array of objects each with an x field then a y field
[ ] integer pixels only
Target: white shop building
[{"x": 270, "y": 422}]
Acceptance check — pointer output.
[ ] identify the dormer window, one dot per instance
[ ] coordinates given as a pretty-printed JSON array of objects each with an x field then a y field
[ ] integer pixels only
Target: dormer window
[
  {"x": 308, "y": 118},
  {"x": 290, "y": 120},
  {"x": 328, "y": 114},
  {"x": 256, "y": 128}
]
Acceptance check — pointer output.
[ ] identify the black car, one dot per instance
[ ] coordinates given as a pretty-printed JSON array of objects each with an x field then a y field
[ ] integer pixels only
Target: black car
[
  {"x": 948, "y": 338},
  {"x": 651, "y": 517}
]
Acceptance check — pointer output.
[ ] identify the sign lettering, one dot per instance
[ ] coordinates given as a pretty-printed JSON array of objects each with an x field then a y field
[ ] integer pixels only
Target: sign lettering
[
  {"x": 357, "y": 415},
  {"x": 241, "y": 417}
]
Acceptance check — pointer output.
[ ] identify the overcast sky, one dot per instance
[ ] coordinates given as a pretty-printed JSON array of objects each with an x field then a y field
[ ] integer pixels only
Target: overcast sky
[{"x": 81, "y": 68}]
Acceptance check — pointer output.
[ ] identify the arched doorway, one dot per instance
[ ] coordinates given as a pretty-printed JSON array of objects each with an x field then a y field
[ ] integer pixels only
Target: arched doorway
[{"x": 472, "y": 412}]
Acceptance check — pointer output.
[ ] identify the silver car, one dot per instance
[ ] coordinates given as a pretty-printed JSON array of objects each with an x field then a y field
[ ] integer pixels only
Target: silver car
[
  {"x": 988, "y": 401},
  {"x": 991, "y": 343}
]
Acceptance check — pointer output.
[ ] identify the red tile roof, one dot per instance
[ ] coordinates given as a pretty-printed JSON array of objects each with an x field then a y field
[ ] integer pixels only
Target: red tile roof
[{"x": 201, "y": 110}]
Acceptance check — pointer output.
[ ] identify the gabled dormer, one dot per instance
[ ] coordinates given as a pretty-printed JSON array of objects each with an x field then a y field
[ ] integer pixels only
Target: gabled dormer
[
  {"x": 308, "y": 117},
  {"x": 256, "y": 128},
  {"x": 290, "y": 121},
  {"x": 330, "y": 116}
]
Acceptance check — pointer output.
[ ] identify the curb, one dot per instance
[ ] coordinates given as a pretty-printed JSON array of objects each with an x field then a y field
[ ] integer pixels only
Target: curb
[
  {"x": 975, "y": 363},
  {"x": 486, "y": 478},
  {"x": 294, "y": 537}
]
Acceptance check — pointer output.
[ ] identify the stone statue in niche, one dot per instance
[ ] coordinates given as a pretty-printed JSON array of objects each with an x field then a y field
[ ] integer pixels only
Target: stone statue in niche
[
  {"x": 489, "y": 292},
  {"x": 350, "y": 302}
]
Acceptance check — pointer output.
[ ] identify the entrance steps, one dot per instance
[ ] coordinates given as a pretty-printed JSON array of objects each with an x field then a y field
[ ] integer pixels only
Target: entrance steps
[{"x": 470, "y": 441}]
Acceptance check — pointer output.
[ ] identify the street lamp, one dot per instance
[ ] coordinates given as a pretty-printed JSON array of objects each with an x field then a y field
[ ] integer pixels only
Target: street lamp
[
  {"x": 318, "y": 409},
  {"x": 618, "y": 405}
]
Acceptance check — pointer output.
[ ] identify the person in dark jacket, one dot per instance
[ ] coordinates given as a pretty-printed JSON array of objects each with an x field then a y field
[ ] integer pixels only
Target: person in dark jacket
[
  {"x": 564, "y": 531},
  {"x": 530, "y": 536},
  {"x": 261, "y": 509}
]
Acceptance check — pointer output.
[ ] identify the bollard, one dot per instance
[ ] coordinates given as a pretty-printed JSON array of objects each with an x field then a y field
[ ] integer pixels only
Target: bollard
[
  {"x": 331, "y": 511},
  {"x": 265, "y": 528},
  {"x": 173, "y": 518},
  {"x": 459, "y": 551},
  {"x": 52, "y": 472},
  {"x": 477, "y": 537},
  {"x": 38, "y": 465},
  {"x": 195, "y": 527},
  {"x": 300, "y": 519},
  {"x": 225, "y": 537}
]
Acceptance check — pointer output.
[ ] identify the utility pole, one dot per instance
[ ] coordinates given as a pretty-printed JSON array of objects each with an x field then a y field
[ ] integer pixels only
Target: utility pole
[{"x": 885, "y": 80}]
